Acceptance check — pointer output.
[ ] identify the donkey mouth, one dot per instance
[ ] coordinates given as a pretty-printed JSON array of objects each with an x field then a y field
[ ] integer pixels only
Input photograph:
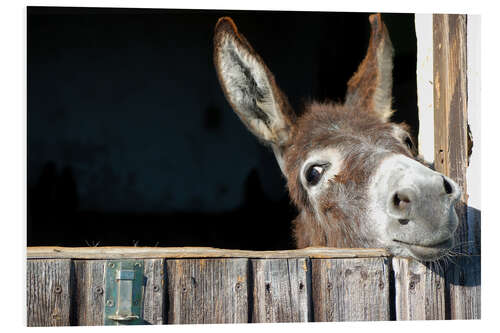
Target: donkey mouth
[
  {"x": 442, "y": 244},
  {"x": 428, "y": 252}
]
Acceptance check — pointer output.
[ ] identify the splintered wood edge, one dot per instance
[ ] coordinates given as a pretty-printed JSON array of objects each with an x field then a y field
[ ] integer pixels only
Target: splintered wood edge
[{"x": 118, "y": 252}]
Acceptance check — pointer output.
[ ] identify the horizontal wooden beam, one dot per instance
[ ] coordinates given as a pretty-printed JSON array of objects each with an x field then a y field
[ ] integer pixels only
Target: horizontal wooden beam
[{"x": 118, "y": 252}]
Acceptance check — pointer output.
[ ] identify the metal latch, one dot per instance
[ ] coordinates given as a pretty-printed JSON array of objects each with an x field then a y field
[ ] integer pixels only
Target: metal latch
[{"x": 124, "y": 292}]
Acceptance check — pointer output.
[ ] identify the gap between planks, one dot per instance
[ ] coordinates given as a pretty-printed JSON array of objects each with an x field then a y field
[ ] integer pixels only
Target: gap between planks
[{"x": 119, "y": 252}]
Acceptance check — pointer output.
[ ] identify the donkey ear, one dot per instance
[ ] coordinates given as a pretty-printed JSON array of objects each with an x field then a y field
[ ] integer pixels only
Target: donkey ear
[
  {"x": 371, "y": 86},
  {"x": 250, "y": 87}
]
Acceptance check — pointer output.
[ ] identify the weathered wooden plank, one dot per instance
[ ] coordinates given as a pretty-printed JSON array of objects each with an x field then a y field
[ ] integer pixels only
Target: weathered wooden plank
[
  {"x": 350, "y": 290},
  {"x": 49, "y": 292},
  {"x": 88, "y": 297},
  {"x": 207, "y": 291},
  {"x": 154, "y": 292},
  {"x": 450, "y": 100},
  {"x": 453, "y": 143},
  {"x": 90, "y": 284},
  {"x": 419, "y": 291},
  {"x": 119, "y": 252},
  {"x": 281, "y": 290}
]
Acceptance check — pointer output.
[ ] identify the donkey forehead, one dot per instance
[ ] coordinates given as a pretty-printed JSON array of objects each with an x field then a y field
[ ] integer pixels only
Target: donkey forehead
[{"x": 325, "y": 125}]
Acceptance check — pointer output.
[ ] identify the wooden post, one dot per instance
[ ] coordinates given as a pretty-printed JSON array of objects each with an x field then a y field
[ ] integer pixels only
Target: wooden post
[
  {"x": 450, "y": 101},
  {"x": 452, "y": 144}
]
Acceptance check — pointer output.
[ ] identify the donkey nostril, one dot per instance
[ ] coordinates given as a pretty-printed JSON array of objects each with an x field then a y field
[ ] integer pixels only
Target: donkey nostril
[
  {"x": 447, "y": 186},
  {"x": 400, "y": 200},
  {"x": 403, "y": 221}
]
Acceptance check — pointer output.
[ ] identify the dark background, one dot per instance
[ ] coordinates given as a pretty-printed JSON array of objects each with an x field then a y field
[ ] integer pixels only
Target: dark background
[{"x": 131, "y": 141}]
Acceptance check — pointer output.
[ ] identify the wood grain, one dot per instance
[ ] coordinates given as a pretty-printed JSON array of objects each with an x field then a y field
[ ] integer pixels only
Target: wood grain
[
  {"x": 282, "y": 290},
  {"x": 49, "y": 292},
  {"x": 350, "y": 290},
  {"x": 207, "y": 291},
  {"x": 464, "y": 283},
  {"x": 451, "y": 146},
  {"x": 119, "y": 252},
  {"x": 88, "y": 298},
  {"x": 450, "y": 100},
  {"x": 154, "y": 292},
  {"x": 419, "y": 291}
]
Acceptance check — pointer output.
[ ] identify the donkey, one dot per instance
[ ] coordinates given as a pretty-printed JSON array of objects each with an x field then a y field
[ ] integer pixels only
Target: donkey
[{"x": 354, "y": 176}]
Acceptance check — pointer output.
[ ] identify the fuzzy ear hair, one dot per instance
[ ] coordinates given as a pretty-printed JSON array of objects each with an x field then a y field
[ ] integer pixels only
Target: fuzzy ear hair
[
  {"x": 250, "y": 87},
  {"x": 371, "y": 86}
]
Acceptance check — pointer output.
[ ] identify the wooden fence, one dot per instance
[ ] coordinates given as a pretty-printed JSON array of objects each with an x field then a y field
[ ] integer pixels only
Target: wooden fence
[{"x": 67, "y": 286}]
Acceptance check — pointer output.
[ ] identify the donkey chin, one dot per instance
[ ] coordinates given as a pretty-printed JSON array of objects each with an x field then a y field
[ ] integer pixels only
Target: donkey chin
[{"x": 413, "y": 209}]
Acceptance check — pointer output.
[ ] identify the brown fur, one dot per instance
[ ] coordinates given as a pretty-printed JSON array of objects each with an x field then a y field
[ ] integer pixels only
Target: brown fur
[
  {"x": 358, "y": 129},
  {"x": 359, "y": 134}
]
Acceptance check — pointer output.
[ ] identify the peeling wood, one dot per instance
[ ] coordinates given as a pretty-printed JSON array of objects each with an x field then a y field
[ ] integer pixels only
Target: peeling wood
[{"x": 452, "y": 144}]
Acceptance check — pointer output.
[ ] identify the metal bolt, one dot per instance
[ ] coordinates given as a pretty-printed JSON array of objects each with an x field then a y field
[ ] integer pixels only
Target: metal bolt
[
  {"x": 137, "y": 264},
  {"x": 57, "y": 289},
  {"x": 111, "y": 265},
  {"x": 110, "y": 303},
  {"x": 99, "y": 290},
  {"x": 381, "y": 284},
  {"x": 156, "y": 289}
]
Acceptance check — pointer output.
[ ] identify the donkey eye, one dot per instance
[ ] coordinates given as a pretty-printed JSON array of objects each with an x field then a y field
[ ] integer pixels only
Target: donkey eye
[
  {"x": 409, "y": 143},
  {"x": 314, "y": 173}
]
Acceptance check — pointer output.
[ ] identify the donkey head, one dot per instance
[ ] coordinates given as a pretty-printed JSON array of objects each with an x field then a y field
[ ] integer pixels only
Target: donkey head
[{"x": 354, "y": 176}]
